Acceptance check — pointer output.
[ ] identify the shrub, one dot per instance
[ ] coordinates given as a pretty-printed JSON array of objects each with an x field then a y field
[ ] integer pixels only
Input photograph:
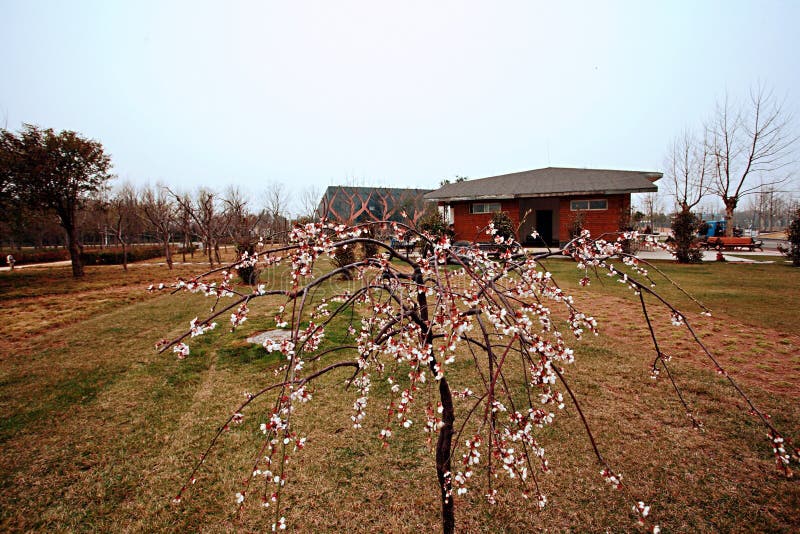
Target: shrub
[
  {"x": 576, "y": 224},
  {"x": 24, "y": 256},
  {"x": 504, "y": 225},
  {"x": 113, "y": 256},
  {"x": 344, "y": 255},
  {"x": 433, "y": 222},
  {"x": 793, "y": 236},
  {"x": 685, "y": 225},
  {"x": 248, "y": 273},
  {"x": 370, "y": 249}
]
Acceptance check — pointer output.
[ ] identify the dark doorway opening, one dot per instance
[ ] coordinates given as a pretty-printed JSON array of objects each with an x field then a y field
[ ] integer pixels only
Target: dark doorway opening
[{"x": 544, "y": 225}]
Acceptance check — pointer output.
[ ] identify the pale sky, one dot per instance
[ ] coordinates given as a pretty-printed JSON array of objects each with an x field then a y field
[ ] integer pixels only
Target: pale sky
[{"x": 399, "y": 94}]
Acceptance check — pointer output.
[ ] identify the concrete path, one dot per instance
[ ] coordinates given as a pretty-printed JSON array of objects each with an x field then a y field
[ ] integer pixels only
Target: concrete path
[
  {"x": 708, "y": 255},
  {"x": 711, "y": 255},
  {"x": 68, "y": 262},
  {"x": 29, "y": 265}
]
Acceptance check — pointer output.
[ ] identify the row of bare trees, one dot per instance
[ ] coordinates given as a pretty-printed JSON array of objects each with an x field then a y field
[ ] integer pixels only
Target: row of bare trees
[
  {"x": 744, "y": 149},
  {"x": 205, "y": 216},
  {"x": 131, "y": 215}
]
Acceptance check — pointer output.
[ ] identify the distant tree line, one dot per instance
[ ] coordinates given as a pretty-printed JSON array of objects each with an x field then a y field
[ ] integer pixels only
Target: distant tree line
[{"x": 55, "y": 190}]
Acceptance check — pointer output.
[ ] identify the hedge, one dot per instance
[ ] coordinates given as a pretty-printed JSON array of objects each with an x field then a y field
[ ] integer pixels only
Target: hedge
[
  {"x": 89, "y": 256},
  {"x": 34, "y": 256},
  {"x": 113, "y": 256}
]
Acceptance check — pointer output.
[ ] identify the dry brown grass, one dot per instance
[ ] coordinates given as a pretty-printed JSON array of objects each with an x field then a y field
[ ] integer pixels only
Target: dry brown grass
[{"x": 99, "y": 431}]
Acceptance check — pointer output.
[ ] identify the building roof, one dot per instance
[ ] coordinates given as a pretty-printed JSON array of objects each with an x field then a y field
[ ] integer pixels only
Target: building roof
[{"x": 551, "y": 181}]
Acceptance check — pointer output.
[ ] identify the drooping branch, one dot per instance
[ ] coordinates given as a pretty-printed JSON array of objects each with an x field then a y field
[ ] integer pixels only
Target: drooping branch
[{"x": 414, "y": 317}]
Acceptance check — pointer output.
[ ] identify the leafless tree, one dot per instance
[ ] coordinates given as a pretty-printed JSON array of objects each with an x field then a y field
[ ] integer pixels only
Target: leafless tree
[
  {"x": 204, "y": 211},
  {"x": 122, "y": 218},
  {"x": 651, "y": 203},
  {"x": 277, "y": 201},
  {"x": 186, "y": 223},
  {"x": 688, "y": 170},
  {"x": 240, "y": 222},
  {"x": 747, "y": 141},
  {"x": 158, "y": 211},
  {"x": 309, "y": 202}
]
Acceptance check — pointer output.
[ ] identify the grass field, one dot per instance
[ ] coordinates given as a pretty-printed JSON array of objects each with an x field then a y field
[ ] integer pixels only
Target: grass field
[{"x": 97, "y": 431}]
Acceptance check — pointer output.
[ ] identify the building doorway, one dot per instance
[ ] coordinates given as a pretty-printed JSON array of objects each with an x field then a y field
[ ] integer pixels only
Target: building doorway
[{"x": 544, "y": 225}]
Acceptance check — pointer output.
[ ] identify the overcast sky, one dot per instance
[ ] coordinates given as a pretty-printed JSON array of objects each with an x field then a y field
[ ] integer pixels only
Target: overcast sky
[{"x": 383, "y": 93}]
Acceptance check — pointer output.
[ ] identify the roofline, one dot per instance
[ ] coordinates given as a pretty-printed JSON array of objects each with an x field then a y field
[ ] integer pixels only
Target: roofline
[
  {"x": 651, "y": 175},
  {"x": 652, "y": 189}
]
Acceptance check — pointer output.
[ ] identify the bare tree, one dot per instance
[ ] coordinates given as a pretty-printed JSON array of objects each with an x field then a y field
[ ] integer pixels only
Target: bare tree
[
  {"x": 309, "y": 202},
  {"x": 122, "y": 218},
  {"x": 652, "y": 205},
  {"x": 158, "y": 210},
  {"x": 239, "y": 222},
  {"x": 186, "y": 223},
  {"x": 277, "y": 200},
  {"x": 753, "y": 140},
  {"x": 688, "y": 169},
  {"x": 203, "y": 210}
]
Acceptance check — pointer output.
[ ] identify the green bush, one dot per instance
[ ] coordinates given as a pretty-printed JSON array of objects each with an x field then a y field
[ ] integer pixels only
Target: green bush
[
  {"x": 576, "y": 224},
  {"x": 504, "y": 225},
  {"x": 370, "y": 249},
  {"x": 250, "y": 273},
  {"x": 24, "y": 256},
  {"x": 685, "y": 225},
  {"x": 344, "y": 255},
  {"x": 793, "y": 236},
  {"x": 433, "y": 222}
]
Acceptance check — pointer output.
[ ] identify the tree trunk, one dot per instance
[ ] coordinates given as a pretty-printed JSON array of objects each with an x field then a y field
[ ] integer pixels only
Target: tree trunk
[
  {"x": 209, "y": 252},
  {"x": 444, "y": 473},
  {"x": 730, "y": 205},
  {"x": 124, "y": 256},
  {"x": 74, "y": 250},
  {"x": 443, "y": 450},
  {"x": 168, "y": 253}
]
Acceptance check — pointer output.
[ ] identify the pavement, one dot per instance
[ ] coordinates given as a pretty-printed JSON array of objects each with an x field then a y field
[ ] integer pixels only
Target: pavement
[
  {"x": 708, "y": 255},
  {"x": 68, "y": 262},
  {"x": 29, "y": 265},
  {"x": 711, "y": 255}
]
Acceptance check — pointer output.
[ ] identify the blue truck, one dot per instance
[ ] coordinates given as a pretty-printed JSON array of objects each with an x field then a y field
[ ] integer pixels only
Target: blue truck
[{"x": 715, "y": 229}]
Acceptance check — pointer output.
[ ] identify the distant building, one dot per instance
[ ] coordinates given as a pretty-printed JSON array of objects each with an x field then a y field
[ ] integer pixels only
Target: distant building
[
  {"x": 548, "y": 200},
  {"x": 363, "y": 204}
]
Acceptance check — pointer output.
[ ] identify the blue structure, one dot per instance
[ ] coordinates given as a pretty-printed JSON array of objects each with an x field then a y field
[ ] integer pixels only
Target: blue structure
[{"x": 712, "y": 229}]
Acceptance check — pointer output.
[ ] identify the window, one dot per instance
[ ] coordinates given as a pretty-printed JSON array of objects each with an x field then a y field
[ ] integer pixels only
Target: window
[
  {"x": 588, "y": 205},
  {"x": 485, "y": 207}
]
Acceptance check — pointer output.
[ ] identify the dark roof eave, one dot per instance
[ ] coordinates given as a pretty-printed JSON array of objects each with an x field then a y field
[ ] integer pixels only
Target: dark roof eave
[{"x": 652, "y": 189}]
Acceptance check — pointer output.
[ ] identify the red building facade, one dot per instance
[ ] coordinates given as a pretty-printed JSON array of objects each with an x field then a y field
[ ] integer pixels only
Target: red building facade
[{"x": 553, "y": 202}]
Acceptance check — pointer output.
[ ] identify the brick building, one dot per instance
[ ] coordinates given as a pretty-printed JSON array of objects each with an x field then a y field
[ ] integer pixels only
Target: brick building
[{"x": 548, "y": 200}]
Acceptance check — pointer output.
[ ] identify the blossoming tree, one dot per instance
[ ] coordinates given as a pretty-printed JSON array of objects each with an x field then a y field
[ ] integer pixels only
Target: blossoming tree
[{"x": 500, "y": 312}]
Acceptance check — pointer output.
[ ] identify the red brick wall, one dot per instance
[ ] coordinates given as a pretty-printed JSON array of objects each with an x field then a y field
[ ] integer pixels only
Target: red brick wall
[
  {"x": 596, "y": 221},
  {"x": 468, "y": 225}
]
